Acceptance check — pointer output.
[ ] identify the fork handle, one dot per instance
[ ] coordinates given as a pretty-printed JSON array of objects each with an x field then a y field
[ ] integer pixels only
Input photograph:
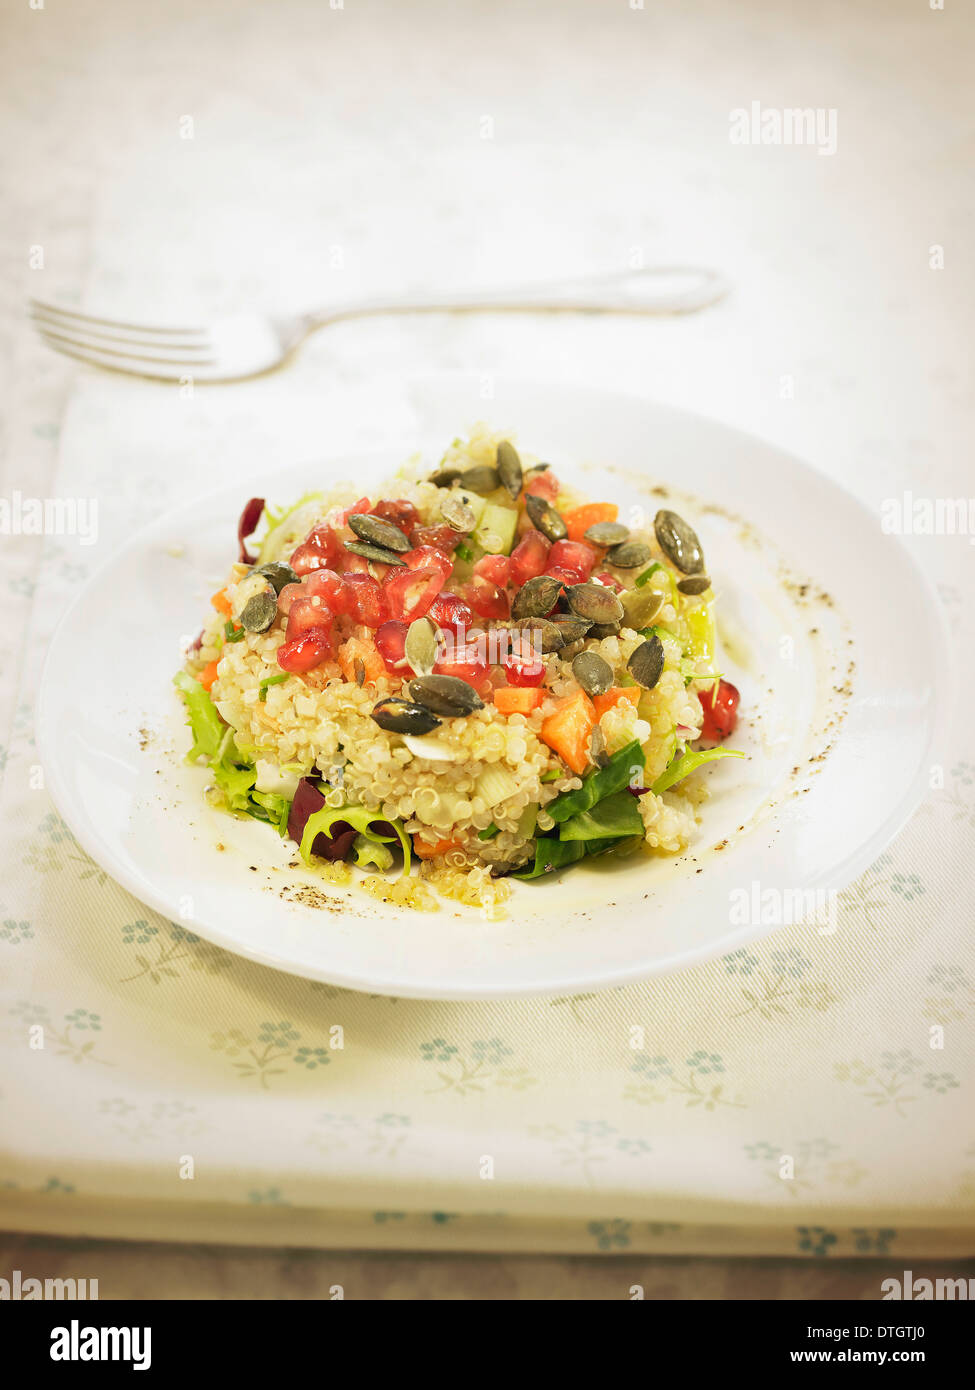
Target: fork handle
[{"x": 657, "y": 290}]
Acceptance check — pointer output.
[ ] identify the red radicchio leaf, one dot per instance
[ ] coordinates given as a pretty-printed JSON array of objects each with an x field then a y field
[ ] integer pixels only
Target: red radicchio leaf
[
  {"x": 336, "y": 845},
  {"x": 307, "y": 800},
  {"x": 247, "y": 525}
]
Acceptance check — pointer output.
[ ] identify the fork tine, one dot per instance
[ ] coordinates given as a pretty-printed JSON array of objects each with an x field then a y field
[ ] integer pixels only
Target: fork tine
[
  {"x": 81, "y": 319},
  {"x": 94, "y": 335},
  {"x": 123, "y": 361}
]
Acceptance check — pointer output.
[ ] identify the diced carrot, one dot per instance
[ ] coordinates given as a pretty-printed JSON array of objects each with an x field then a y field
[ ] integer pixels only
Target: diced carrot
[
  {"x": 208, "y": 675},
  {"x": 424, "y": 850},
  {"x": 221, "y": 602},
  {"x": 568, "y": 730},
  {"x": 360, "y": 649},
  {"x": 579, "y": 519},
  {"x": 614, "y": 696},
  {"x": 512, "y": 699}
]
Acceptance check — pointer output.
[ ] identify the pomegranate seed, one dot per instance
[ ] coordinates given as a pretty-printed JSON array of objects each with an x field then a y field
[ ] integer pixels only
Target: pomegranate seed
[
  {"x": 319, "y": 550},
  {"x": 442, "y": 538},
  {"x": 367, "y": 602},
  {"x": 543, "y": 485},
  {"x": 305, "y": 614},
  {"x": 400, "y": 512},
  {"x": 610, "y": 581},
  {"x": 449, "y": 611},
  {"x": 573, "y": 555},
  {"x": 529, "y": 558},
  {"x": 357, "y": 509},
  {"x": 305, "y": 651},
  {"x": 330, "y": 588},
  {"x": 466, "y": 661},
  {"x": 427, "y": 557},
  {"x": 390, "y": 643},
  {"x": 288, "y": 595},
  {"x": 523, "y": 669},
  {"x": 410, "y": 592},
  {"x": 486, "y": 599},
  {"x": 565, "y": 575},
  {"x": 495, "y": 568}
]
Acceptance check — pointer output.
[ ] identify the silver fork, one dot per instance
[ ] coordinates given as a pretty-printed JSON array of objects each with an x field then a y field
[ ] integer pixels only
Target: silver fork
[{"x": 247, "y": 345}]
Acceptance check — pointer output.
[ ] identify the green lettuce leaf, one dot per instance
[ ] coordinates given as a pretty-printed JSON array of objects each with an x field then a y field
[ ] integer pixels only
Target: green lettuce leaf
[
  {"x": 689, "y": 762},
  {"x": 321, "y": 822},
  {"x": 205, "y": 723},
  {"x": 233, "y": 772},
  {"x": 369, "y": 853},
  {"x": 280, "y": 536}
]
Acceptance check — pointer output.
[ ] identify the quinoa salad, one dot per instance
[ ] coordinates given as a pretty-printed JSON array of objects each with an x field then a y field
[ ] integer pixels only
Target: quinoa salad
[{"x": 472, "y": 676}]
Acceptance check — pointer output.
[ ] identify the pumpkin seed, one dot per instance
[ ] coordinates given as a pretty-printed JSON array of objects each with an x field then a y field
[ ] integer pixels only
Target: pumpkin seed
[
  {"x": 457, "y": 514},
  {"x": 259, "y": 612},
  {"x": 379, "y": 532},
  {"x": 277, "y": 574},
  {"x": 607, "y": 533},
  {"x": 679, "y": 542},
  {"x": 630, "y": 555},
  {"x": 641, "y": 606},
  {"x": 253, "y": 585},
  {"x": 647, "y": 662},
  {"x": 694, "y": 584},
  {"x": 550, "y": 635},
  {"x": 545, "y": 518},
  {"x": 374, "y": 552},
  {"x": 445, "y": 477},
  {"x": 420, "y": 648},
  {"x": 593, "y": 673},
  {"x": 403, "y": 717},
  {"x": 595, "y": 602},
  {"x": 597, "y": 631},
  {"x": 508, "y": 866},
  {"x": 598, "y": 752},
  {"x": 571, "y": 626},
  {"x": 509, "y": 468},
  {"x": 536, "y": 597},
  {"x": 482, "y": 478},
  {"x": 446, "y": 695}
]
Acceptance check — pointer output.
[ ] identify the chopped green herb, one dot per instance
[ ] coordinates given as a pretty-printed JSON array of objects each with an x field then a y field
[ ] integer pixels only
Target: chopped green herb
[
  {"x": 232, "y": 634},
  {"x": 464, "y": 552},
  {"x": 647, "y": 575},
  {"x": 489, "y": 832},
  {"x": 552, "y": 775},
  {"x": 268, "y": 681}
]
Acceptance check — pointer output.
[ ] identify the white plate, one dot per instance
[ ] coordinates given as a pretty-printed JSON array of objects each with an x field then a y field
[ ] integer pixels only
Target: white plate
[{"x": 840, "y": 712}]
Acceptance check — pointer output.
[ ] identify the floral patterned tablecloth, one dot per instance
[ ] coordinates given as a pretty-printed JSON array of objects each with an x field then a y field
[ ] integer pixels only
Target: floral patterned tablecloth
[
  {"x": 787, "y": 1098},
  {"x": 315, "y": 172}
]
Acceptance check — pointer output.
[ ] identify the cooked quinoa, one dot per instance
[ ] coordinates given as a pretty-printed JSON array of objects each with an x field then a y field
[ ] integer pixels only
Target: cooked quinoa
[{"x": 472, "y": 793}]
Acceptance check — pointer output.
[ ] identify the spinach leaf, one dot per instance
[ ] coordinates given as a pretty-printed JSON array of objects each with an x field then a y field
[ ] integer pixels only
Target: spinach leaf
[
  {"x": 614, "y": 816},
  {"x": 599, "y": 784}
]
